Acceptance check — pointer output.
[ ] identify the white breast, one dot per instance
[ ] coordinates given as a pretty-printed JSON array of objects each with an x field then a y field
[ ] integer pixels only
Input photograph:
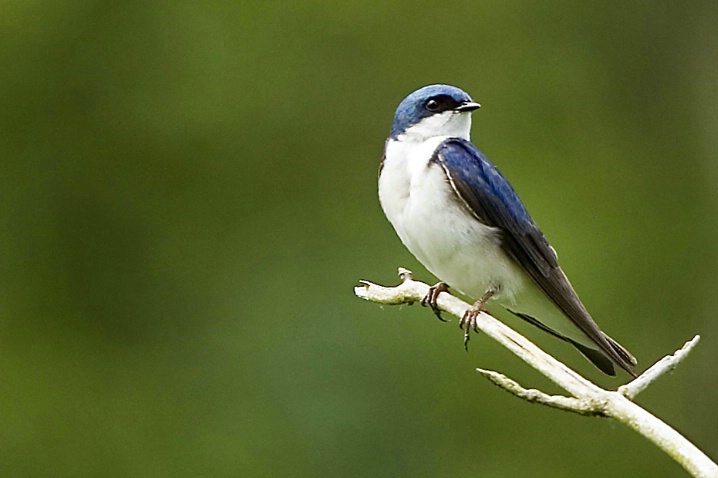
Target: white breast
[{"x": 437, "y": 228}]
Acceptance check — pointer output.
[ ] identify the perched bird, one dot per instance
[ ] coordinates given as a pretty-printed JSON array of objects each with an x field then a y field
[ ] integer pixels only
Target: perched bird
[{"x": 461, "y": 218}]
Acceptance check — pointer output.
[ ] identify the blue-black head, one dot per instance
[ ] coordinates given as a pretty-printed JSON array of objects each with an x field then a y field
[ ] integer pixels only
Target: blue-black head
[{"x": 435, "y": 110}]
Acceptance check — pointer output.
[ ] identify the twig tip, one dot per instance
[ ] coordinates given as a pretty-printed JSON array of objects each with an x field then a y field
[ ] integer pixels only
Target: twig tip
[{"x": 405, "y": 274}]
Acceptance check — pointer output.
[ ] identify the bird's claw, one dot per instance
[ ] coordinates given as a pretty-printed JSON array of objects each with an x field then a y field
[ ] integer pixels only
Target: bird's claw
[
  {"x": 468, "y": 322},
  {"x": 430, "y": 298},
  {"x": 469, "y": 319}
]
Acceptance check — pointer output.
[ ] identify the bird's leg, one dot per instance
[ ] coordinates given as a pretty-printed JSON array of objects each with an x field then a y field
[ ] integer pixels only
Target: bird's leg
[
  {"x": 468, "y": 320},
  {"x": 429, "y": 299}
]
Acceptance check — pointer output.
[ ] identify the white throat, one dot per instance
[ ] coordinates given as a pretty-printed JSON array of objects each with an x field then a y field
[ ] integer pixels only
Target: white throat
[{"x": 449, "y": 124}]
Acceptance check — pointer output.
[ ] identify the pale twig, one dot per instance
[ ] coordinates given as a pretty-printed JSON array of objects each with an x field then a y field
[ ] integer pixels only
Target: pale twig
[
  {"x": 569, "y": 404},
  {"x": 666, "y": 364},
  {"x": 588, "y": 398}
]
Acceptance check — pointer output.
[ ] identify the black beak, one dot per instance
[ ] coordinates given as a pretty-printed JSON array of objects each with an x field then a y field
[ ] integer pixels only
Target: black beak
[{"x": 467, "y": 106}]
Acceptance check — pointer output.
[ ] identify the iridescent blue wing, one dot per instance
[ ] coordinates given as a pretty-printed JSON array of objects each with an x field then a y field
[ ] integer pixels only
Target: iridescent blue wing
[{"x": 492, "y": 200}]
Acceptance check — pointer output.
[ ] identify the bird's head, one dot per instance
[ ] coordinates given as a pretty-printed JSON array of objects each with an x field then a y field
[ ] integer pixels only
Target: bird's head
[{"x": 434, "y": 110}]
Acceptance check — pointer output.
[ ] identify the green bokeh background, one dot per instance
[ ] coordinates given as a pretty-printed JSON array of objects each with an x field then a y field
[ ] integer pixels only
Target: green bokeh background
[{"x": 188, "y": 196}]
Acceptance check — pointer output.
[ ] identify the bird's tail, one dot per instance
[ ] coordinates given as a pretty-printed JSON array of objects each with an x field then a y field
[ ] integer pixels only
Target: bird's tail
[
  {"x": 621, "y": 351},
  {"x": 601, "y": 360},
  {"x": 596, "y": 357}
]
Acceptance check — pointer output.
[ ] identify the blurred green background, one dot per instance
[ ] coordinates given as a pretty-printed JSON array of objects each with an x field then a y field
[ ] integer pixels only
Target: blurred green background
[{"x": 188, "y": 196}]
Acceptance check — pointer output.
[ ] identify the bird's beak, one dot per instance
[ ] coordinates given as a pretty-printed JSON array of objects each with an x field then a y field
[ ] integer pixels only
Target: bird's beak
[{"x": 467, "y": 106}]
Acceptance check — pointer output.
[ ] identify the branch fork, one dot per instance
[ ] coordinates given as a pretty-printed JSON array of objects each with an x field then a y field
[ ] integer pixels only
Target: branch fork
[{"x": 586, "y": 398}]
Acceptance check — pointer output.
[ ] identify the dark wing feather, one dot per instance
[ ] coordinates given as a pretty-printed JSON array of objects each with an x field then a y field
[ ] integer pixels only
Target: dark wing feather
[{"x": 494, "y": 202}]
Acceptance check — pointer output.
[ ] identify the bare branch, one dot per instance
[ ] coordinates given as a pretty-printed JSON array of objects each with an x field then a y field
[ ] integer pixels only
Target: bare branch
[
  {"x": 569, "y": 404},
  {"x": 588, "y": 398},
  {"x": 666, "y": 364}
]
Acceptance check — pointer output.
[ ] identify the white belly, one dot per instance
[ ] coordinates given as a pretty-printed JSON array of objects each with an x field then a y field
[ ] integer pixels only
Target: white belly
[
  {"x": 439, "y": 230},
  {"x": 445, "y": 236}
]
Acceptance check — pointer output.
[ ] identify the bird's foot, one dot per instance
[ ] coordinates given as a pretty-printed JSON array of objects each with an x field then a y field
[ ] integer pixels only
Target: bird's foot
[
  {"x": 468, "y": 320},
  {"x": 430, "y": 298}
]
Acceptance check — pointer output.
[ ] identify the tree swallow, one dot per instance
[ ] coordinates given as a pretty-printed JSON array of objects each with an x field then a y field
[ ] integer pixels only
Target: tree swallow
[{"x": 461, "y": 218}]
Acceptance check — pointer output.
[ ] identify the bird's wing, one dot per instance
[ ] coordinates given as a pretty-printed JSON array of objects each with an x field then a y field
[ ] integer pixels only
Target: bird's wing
[{"x": 492, "y": 200}]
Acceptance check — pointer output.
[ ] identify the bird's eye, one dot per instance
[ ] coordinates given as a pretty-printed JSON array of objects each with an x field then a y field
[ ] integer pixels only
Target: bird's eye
[{"x": 432, "y": 105}]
